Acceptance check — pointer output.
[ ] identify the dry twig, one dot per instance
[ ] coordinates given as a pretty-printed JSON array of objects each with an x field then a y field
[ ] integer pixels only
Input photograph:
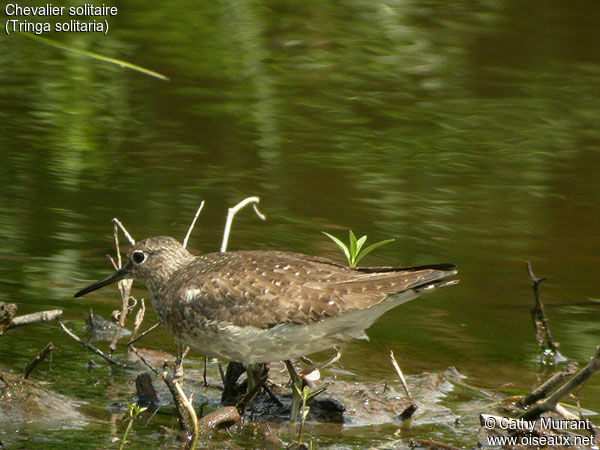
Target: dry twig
[
  {"x": 92, "y": 348},
  {"x": 548, "y": 386},
  {"x": 581, "y": 377},
  {"x": 28, "y": 319},
  {"x": 564, "y": 412},
  {"x": 188, "y": 421},
  {"x": 410, "y": 410},
  {"x": 142, "y": 359},
  {"x": 189, "y": 232},
  {"x": 38, "y": 359},
  {"x": 125, "y": 232},
  {"x": 139, "y": 318},
  {"x": 538, "y": 315},
  {"x": 124, "y": 286},
  {"x": 231, "y": 214},
  {"x": 149, "y": 330}
]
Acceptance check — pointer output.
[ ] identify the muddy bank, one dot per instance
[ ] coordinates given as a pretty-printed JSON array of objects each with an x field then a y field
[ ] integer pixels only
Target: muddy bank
[
  {"x": 26, "y": 403},
  {"x": 344, "y": 401}
]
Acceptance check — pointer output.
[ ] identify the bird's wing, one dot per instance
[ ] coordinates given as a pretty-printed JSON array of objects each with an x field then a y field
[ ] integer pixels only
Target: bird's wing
[{"x": 263, "y": 289}]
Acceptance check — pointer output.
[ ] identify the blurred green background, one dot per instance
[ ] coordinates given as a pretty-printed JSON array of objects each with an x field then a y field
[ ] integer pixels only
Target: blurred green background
[{"x": 468, "y": 131}]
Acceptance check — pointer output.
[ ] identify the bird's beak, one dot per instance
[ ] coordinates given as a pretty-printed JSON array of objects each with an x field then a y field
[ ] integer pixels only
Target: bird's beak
[{"x": 117, "y": 276}]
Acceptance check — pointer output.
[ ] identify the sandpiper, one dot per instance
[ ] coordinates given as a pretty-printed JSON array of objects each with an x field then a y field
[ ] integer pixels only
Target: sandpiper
[{"x": 261, "y": 306}]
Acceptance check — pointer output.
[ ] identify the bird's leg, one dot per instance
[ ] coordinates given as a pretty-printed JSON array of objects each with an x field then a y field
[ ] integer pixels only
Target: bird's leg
[
  {"x": 230, "y": 388},
  {"x": 251, "y": 376},
  {"x": 297, "y": 383},
  {"x": 256, "y": 374}
]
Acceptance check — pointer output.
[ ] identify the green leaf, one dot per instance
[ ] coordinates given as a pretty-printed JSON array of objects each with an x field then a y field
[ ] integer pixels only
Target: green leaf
[
  {"x": 360, "y": 243},
  {"x": 306, "y": 392},
  {"x": 340, "y": 244},
  {"x": 353, "y": 251},
  {"x": 372, "y": 247}
]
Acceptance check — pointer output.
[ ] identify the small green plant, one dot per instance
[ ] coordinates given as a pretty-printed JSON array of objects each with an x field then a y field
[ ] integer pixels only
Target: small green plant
[
  {"x": 134, "y": 411},
  {"x": 305, "y": 395},
  {"x": 354, "y": 253}
]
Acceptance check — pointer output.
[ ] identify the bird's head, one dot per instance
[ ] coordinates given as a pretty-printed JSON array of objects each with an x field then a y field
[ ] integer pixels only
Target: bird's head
[{"x": 152, "y": 261}]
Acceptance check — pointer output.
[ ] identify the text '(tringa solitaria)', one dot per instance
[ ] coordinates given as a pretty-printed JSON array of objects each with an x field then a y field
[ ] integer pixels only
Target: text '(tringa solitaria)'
[{"x": 263, "y": 306}]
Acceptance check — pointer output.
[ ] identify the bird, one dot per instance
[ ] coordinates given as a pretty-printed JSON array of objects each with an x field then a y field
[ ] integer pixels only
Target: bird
[{"x": 261, "y": 306}]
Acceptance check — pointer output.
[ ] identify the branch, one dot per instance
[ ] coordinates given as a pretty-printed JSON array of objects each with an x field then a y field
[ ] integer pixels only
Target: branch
[
  {"x": 410, "y": 410},
  {"x": 540, "y": 321},
  {"x": 188, "y": 421},
  {"x": 38, "y": 359},
  {"x": 550, "y": 403},
  {"x": 28, "y": 319},
  {"x": 125, "y": 232},
  {"x": 260, "y": 215},
  {"x": 231, "y": 212},
  {"x": 549, "y": 385},
  {"x": 189, "y": 231},
  {"x": 92, "y": 348},
  {"x": 149, "y": 330},
  {"x": 124, "y": 287},
  {"x": 564, "y": 412},
  {"x": 142, "y": 359},
  {"x": 139, "y": 318}
]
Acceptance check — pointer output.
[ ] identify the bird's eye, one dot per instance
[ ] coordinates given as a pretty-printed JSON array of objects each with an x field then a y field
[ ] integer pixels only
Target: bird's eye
[{"x": 138, "y": 256}]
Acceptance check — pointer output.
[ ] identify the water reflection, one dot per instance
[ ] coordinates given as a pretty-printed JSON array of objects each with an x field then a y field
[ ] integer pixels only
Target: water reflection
[{"x": 467, "y": 131}]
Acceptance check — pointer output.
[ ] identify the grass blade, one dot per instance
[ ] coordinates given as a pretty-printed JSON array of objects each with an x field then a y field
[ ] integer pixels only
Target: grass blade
[
  {"x": 353, "y": 251},
  {"x": 340, "y": 244},
  {"x": 372, "y": 247},
  {"x": 360, "y": 243},
  {"x": 93, "y": 55}
]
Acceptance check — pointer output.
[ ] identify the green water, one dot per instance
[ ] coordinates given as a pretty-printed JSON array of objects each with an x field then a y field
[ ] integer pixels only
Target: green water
[{"x": 467, "y": 131}]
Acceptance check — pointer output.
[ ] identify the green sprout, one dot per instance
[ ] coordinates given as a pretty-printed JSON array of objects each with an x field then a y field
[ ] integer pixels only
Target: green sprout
[
  {"x": 134, "y": 411},
  {"x": 305, "y": 395},
  {"x": 354, "y": 253}
]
